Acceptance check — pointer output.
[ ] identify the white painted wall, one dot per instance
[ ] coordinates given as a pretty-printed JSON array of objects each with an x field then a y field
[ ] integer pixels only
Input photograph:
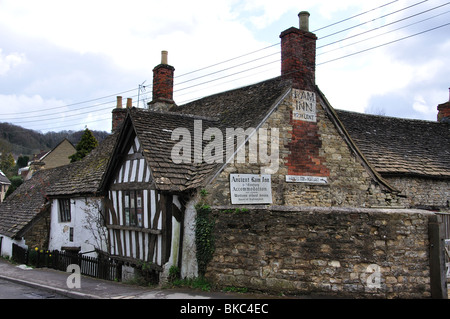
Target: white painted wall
[
  {"x": 189, "y": 267},
  {"x": 175, "y": 247},
  {"x": 7, "y": 242},
  {"x": 84, "y": 212}
]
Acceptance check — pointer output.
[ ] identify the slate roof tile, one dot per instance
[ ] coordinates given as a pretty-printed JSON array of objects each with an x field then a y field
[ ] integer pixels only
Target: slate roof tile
[
  {"x": 241, "y": 108},
  {"x": 397, "y": 146}
]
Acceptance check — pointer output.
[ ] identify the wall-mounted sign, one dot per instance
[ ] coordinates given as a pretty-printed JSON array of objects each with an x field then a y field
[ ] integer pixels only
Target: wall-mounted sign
[
  {"x": 250, "y": 189},
  {"x": 306, "y": 179},
  {"x": 304, "y": 103}
]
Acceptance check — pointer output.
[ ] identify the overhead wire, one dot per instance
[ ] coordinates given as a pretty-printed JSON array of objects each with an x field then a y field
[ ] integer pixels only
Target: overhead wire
[
  {"x": 382, "y": 34},
  {"x": 320, "y": 38},
  {"x": 203, "y": 68},
  {"x": 247, "y": 62},
  {"x": 385, "y": 25},
  {"x": 384, "y": 44},
  {"x": 219, "y": 63},
  {"x": 370, "y": 21}
]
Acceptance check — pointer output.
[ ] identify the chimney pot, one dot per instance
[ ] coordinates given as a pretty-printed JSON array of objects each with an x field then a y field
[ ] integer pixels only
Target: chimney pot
[
  {"x": 304, "y": 20},
  {"x": 119, "y": 102},
  {"x": 164, "y": 57},
  {"x": 129, "y": 103}
]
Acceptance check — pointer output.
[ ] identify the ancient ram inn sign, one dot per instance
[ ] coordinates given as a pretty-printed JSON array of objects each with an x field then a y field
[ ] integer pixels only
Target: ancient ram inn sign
[{"x": 250, "y": 189}]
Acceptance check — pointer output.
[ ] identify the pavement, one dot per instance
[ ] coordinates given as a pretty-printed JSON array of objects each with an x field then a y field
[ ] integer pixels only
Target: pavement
[{"x": 93, "y": 288}]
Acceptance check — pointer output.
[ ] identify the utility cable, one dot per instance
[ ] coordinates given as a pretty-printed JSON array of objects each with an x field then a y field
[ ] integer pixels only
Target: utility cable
[{"x": 78, "y": 103}]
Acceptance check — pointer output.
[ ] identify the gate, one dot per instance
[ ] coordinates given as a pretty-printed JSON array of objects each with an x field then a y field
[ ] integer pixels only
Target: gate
[{"x": 444, "y": 218}]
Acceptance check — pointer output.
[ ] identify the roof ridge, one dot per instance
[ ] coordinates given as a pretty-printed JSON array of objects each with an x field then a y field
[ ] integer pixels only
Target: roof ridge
[
  {"x": 234, "y": 89},
  {"x": 388, "y": 117},
  {"x": 186, "y": 115}
]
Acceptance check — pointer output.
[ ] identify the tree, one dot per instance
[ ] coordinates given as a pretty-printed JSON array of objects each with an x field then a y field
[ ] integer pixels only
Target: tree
[
  {"x": 7, "y": 163},
  {"x": 95, "y": 221},
  {"x": 16, "y": 181},
  {"x": 87, "y": 143},
  {"x": 22, "y": 161}
]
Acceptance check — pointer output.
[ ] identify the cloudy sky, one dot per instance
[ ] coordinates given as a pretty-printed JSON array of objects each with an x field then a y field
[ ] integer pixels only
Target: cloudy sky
[{"x": 62, "y": 63}]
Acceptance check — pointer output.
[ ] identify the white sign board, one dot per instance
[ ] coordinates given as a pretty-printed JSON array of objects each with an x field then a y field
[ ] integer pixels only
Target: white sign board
[
  {"x": 306, "y": 179},
  {"x": 250, "y": 189},
  {"x": 304, "y": 103}
]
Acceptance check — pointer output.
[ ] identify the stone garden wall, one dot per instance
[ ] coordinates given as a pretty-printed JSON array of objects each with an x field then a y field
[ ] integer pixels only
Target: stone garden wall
[{"x": 360, "y": 253}]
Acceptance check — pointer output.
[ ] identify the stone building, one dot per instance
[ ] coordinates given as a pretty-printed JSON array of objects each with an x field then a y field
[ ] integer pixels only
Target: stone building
[{"x": 56, "y": 157}]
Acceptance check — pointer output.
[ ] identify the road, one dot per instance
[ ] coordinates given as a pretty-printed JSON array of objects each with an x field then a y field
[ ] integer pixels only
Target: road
[{"x": 12, "y": 290}]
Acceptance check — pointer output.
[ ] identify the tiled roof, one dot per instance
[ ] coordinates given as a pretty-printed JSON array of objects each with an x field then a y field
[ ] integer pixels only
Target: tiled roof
[
  {"x": 241, "y": 108},
  {"x": 27, "y": 201},
  {"x": 396, "y": 146},
  {"x": 4, "y": 179},
  {"x": 85, "y": 176},
  {"x": 154, "y": 130}
]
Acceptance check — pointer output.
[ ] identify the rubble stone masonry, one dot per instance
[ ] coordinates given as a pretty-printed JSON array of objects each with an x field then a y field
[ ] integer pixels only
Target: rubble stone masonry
[
  {"x": 321, "y": 151},
  {"x": 362, "y": 253}
]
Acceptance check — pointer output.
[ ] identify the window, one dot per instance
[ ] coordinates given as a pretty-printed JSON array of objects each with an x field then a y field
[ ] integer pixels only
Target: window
[
  {"x": 64, "y": 210},
  {"x": 133, "y": 208}
]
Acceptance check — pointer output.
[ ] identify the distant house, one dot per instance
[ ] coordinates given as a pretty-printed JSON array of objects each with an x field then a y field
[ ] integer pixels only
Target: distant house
[
  {"x": 44, "y": 210},
  {"x": 4, "y": 185},
  {"x": 56, "y": 157},
  {"x": 77, "y": 208},
  {"x": 25, "y": 214}
]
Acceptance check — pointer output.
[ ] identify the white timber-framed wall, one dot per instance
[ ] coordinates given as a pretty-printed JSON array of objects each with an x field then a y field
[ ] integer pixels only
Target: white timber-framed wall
[{"x": 140, "y": 219}]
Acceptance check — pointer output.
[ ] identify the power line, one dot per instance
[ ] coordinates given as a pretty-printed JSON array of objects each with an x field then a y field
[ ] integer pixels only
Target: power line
[
  {"x": 384, "y": 44},
  {"x": 236, "y": 73},
  {"x": 355, "y": 16},
  {"x": 229, "y": 68},
  {"x": 408, "y": 7},
  {"x": 383, "y": 16},
  {"x": 381, "y": 34},
  {"x": 204, "y": 68},
  {"x": 386, "y": 25},
  {"x": 275, "y": 44},
  {"x": 73, "y": 104}
]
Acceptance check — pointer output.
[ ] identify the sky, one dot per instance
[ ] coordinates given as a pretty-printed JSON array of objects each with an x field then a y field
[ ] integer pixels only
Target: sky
[{"x": 62, "y": 63}]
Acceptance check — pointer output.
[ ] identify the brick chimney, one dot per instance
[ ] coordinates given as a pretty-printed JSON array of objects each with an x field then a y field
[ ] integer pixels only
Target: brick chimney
[
  {"x": 298, "y": 54},
  {"x": 119, "y": 113},
  {"x": 162, "y": 85},
  {"x": 444, "y": 111},
  {"x": 298, "y": 64}
]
